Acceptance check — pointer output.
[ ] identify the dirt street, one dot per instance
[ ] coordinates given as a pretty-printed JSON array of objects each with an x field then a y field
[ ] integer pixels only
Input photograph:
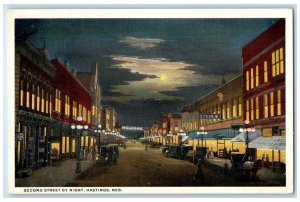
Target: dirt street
[{"x": 137, "y": 167}]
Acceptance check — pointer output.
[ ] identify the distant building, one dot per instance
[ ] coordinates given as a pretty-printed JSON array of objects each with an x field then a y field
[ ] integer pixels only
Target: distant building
[
  {"x": 165, "y": 124},
  {"x": 106, "y": 117},
  {"x": 113, "y": 118},
  {"x": 91, "y": 82},
  {"x": 175, "y": 123}
]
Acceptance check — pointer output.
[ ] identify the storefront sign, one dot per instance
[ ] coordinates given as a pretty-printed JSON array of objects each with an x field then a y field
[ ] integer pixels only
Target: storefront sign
[{"x": 210, "y": 116}]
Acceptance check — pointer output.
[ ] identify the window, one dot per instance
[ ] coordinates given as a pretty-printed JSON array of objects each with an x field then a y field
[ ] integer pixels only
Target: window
[
  {"x": 57, "y": 100},
  {"x": 257, "y": 108},
  {"x": 47, "y": 103},
  {"x": 50, "y": 106},
  {"x": 234, "y": 108},
  {"x": 277, "y": 62},
  {"x": 265, "y": 71},
  {"x": 247, "y": 80},
  {"x": 74, "y": 109},
  {"x": 240, "y": 107},
  {"x": 278, "y": 102},
  {"x": 247, "y": 110},
  {"x": 80, "y": 110},
  {"x": 93, "y": 110},
  {"x": 33, "y": 97},
  {"x": 43, "y": 101},
  {"x": 27, "y": 96},
  {"x": 21, "y": 93},
  {"x": 224, "y": 112},
  {"x": 84, "y": 114},
  {"x": 252, "y": 109},
  {"x": 67, "y": 105},
  {"x": 89, "y": 116},
  {"x": 256, "y": 76},
  {"x": 228, "y": 110},
  {"x": 266, "y": 106},
  {"x": 272, "y": 104},
  {"x": 252, "y": 78},
  {"x": 38, "y": 99}
]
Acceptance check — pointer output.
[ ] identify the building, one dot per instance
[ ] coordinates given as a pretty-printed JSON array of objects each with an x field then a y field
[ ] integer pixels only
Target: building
[
  {"x": 219, "y": 113},
  {"x": 264, "y": 88},
  {"x": 91, "y": 82},
  {"x": 34, "y": 75},
  {"x": 113, "y": 119},
  {"x": 165, "y": 124},
  {"x": 106, "y": 116},
  {"x": 70, "y": 100}
]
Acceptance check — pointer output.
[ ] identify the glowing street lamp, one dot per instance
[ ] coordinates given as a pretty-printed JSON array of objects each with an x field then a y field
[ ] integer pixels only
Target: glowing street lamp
[
  {"x": 246, "y": 129},
  {"x": 202, "y": 132}
]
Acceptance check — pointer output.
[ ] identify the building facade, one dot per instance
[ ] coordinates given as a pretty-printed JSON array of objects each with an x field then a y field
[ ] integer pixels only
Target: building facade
[
  {"x": 70, "y": 100},
  {"x": 264, "y": 86},
  {"x": 91, "y": 82},
  {"x": 106, "y": 116},
  {"x": 34, "y": 75},
  {"x": 113, "y": 119}
]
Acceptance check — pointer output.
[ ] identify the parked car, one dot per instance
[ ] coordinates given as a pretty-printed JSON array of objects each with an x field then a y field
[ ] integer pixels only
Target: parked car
[
  {"x": 174, "y": 151},
  {"x": 184, "y": 149},
  {"x": 165, "y": 151},
  {"x": 108, "y": 155}
]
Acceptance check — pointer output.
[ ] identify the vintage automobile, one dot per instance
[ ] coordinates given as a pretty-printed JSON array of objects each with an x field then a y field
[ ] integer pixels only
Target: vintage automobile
[
  {"x": 108, "y": 154},
  {"x": 174, "y": 151},
  {"x": 184, "y": 149},
  {"x": 165, "y": 151}
]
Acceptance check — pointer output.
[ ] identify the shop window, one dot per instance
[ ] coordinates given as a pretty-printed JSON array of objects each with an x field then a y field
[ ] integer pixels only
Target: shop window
[
  {"x": 55, "y": 145},
  {"x": 73, "y": 145},
  {"x": 267, "y": 132},
  {"x": 63, "y": 146},
  {"x": 82, "y": 141},
  {"x": 265, "y": 71},
  {"x": 67, "y": 145}
]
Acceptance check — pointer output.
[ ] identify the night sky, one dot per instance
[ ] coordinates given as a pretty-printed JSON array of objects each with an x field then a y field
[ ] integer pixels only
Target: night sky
[{"x": 148, "y": 66}]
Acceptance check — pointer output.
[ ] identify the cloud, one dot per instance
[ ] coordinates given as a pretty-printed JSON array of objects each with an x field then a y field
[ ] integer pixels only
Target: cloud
[
  {"x": 141, "y": 43},
  {"x": 161, "y": 79}
]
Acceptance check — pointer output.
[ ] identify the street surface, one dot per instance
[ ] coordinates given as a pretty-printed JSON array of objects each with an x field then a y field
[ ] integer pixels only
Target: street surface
[{"x": 137, "y": 167}]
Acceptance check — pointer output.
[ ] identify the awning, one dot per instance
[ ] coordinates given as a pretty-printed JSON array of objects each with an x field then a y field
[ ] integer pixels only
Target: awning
[
  {"x": 242, "y": 137},
  {"x": 274, "y": 143},
  {"x": 184, "y": 138}
]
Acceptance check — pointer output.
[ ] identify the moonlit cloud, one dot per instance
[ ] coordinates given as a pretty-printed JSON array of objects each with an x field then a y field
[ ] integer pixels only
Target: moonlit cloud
[
  {"x": 167, "y": 76},
  {"x": 141, "y": 43}
]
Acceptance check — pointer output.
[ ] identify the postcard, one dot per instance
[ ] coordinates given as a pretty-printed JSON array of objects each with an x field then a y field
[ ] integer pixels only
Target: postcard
[{"x": 150, "y": 101}]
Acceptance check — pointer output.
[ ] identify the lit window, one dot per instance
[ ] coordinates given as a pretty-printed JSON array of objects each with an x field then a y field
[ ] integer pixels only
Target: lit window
[
  {"x": 272, "y": 104},
  {"x": 252, "y": 78},
  {"x": 257, "y": 107},
  {"x": 50, "y": 106},
  {"x": 47, "y": 103},
  {"x": 43, "y": 100},
  {"x": 21, "y": 93},
  {"x": 256, "y": 76},
  {"x": 57, "y": 100},
  {"x": 247, "y": 80},
  {"x": 278, "y": 102},
  {"x": 252, "y": 109},
  {"x": 234, "y": 108},
  {"x": 277, "y": 62},
  {"x": 38, "y": 99},
  {"x": 265, "y": 71},
  {"x": 33, "y": 98},
  {"x": 240, "y": 107},
  {"x": 266, "y": 106},
  {"x": 27, "y": 96},
  {"x": 228, "y": 110},
  {"x": 247, "y": 110},
  {"x": 224, "y": 112}
]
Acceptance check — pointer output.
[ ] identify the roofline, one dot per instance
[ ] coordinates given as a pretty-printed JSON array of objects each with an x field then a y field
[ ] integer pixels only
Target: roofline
[
  {"x": 240, "y": 75},
  {"x": 62, "y": 64}
]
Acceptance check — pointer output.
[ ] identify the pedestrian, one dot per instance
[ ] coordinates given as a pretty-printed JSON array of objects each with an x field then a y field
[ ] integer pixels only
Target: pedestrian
[
  {"x": 263, "y": 160},
  {"x": 93, "y": 150},
  {"x": 199, "y": 175}
]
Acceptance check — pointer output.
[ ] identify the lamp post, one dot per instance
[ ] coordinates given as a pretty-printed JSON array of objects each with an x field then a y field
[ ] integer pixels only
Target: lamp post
[
  {"x": 202, "y": 132},
  {"x": 78, "y": 135},
  {"x": 247, "y": 129}
]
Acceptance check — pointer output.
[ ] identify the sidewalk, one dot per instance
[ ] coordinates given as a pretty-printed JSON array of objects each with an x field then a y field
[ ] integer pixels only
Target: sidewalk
[{"x": 54, "y": 176}]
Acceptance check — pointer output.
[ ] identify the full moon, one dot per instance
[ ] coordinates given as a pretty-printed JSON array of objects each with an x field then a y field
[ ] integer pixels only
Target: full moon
[{"x": 163, "y": 77}]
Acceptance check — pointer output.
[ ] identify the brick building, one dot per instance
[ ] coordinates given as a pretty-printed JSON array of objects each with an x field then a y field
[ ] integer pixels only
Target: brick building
[
  {"x": 34, "y": 75},
  {"x": 264, "y": 88}
]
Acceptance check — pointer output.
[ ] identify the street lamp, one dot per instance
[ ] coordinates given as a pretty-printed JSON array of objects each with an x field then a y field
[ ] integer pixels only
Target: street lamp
[
  {"x": 247, "y": 129},
  {"x": 202, "y": 132},
  {"x": 78, "y": 135}
]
